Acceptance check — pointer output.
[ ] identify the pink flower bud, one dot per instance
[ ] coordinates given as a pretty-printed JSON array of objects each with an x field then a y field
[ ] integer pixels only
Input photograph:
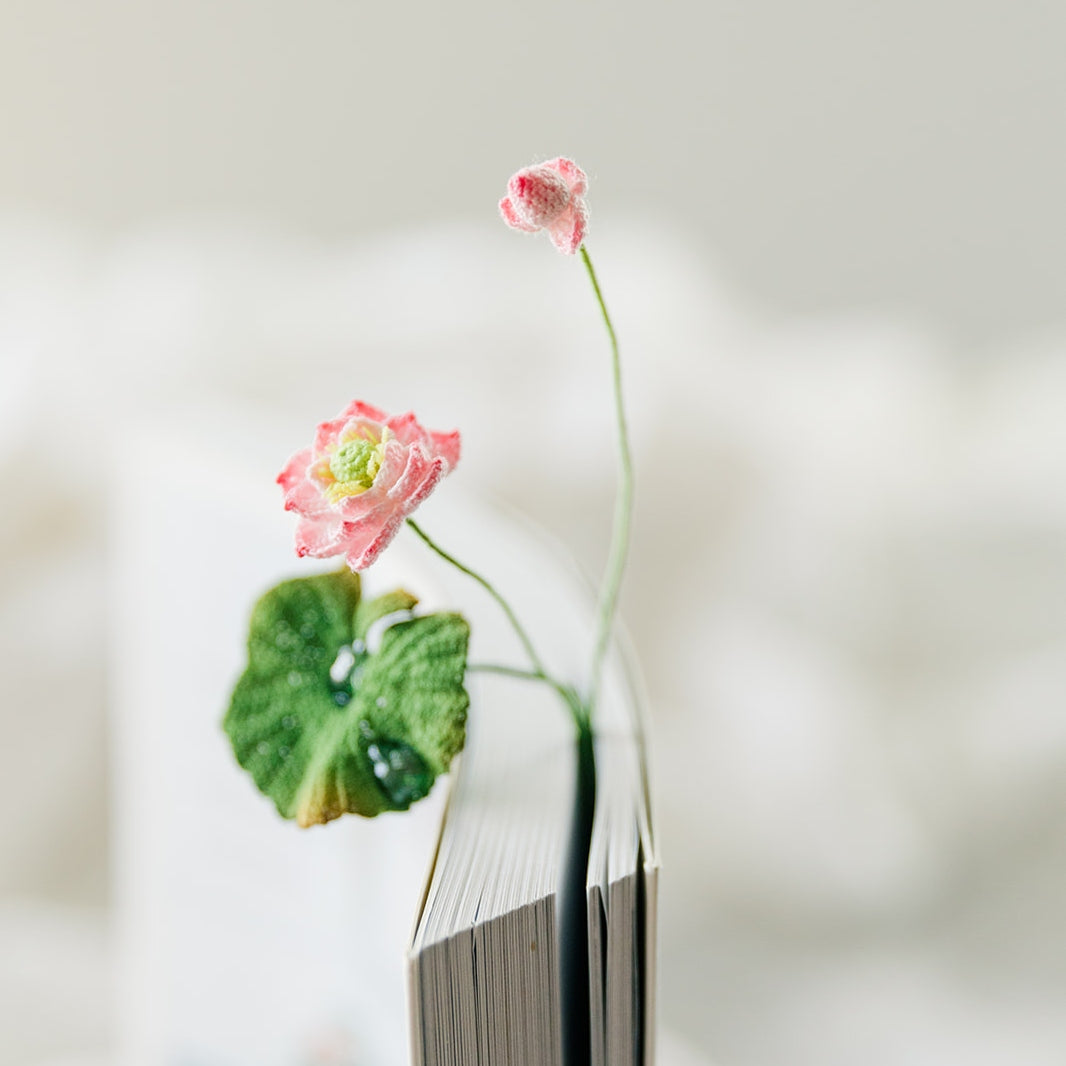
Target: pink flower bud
[{"x": 549, "y": 196}]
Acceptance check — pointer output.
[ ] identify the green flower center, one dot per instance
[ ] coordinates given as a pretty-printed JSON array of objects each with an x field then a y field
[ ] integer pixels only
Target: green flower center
[{"x": 356, "y": 463}]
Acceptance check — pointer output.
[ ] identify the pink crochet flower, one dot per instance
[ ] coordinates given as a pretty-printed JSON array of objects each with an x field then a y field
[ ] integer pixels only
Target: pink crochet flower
[
  {"x": 549, "y": 196},
  {"x": 364, "y": 474}
]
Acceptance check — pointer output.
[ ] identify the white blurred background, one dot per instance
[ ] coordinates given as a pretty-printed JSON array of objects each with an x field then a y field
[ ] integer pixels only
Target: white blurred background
[{"x": 834, "y": 241}]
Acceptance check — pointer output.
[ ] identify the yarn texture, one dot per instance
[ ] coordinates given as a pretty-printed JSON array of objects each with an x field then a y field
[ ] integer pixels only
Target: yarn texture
[
  {"x": 364, "y": 474},
  {"x": 549, "y": 196}
]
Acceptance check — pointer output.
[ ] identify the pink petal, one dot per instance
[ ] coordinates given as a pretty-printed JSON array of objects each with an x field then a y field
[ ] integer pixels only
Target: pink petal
[
  {"x": 420, "y": 479},
  {"x": 393, "y": 463},
  {"x": 320, "y": 537},
  {"x": 363, "y": 548},
  {"x": 353, "y": 418},
  {"x": 539, "y": 195},
  {"x": 447, "y": 445},
  {"x": 358, "y": 409},
  {"x": 510, "y": 216},
  {"x": 406, "y": 428},
  {"x": 568, "y": 232},
  {"x": 326, "y": 433},
  {"x": 302, "y": 494},
  {"x": 414, "y": 474},
  {"x": 574, "y": 175},
  {"x": 436, "y": 472},
  {"x": 306, "y": 498},
  {"x": 295, "y": 469}
]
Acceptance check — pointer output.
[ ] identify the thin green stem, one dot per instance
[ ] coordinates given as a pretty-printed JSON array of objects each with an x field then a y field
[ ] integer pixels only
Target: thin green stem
[
  {"x": 523, "y": 636},
  {"x": 623, "y": 507},
  {"x": 568, "y": 693},
  {"x": 506, "y": 671}
]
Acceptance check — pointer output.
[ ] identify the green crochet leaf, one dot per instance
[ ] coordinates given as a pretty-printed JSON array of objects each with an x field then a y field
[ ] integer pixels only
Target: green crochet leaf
[
  {"x": 370, "y": 611},
  {"x": 327, "y": 728}
]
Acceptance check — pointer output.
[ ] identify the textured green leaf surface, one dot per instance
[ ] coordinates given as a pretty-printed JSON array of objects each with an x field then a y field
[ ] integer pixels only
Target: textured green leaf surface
[
  {"x": 323, "y": 726},
  {"x": 370, "y": 611}
]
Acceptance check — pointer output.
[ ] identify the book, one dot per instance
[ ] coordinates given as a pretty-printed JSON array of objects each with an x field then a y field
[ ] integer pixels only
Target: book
[{"x": 490, "y": 945}]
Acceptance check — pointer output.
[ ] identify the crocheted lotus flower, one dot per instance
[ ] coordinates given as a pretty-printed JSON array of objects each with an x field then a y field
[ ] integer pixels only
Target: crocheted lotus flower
[
  {"x": 549, "y": 196},
  {"x": 364, "y": 474}
]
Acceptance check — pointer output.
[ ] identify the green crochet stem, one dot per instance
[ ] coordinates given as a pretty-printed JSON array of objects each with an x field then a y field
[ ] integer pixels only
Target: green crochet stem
[
  {"x": 569, "y": 696},
  {"x": 580, "y": 709},
  {"x": 623, "y": 507}
]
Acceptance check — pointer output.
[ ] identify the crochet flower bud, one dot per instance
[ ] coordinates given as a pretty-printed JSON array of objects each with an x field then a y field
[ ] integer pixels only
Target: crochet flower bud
[
  {"x": 364, "y": 474},
  {"x": 549, "y": 196}
]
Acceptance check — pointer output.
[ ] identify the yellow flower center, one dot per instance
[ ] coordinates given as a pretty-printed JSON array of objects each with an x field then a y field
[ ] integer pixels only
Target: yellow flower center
[{"x": 354, "y": 465}]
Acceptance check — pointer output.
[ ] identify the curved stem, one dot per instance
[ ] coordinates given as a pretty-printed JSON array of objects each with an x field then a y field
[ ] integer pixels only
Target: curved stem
[
  {"x": 623, "y": 508},
  {"x": 523, "y": 636},
  {"x": 505, "y": 671},
  {"x": 568, "y": 693}
]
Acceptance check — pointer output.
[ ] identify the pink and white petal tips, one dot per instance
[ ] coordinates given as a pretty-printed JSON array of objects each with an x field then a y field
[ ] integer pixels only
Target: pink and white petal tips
[
  {"x": 511, "y": 217},
  {"x": 364, "y": 546},
  {"x": 549, "y": 196},
  {"x": 568, "y": 233},
  {"x": 364, "y": 474},
  {"x": 448, "y": 445},
  {"x": 574, "y": 176},
  {"x": 319, "y": 537}
]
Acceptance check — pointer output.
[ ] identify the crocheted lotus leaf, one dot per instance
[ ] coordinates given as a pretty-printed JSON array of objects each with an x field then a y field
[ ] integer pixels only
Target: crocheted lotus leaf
[{"x": 325, "y": 725}]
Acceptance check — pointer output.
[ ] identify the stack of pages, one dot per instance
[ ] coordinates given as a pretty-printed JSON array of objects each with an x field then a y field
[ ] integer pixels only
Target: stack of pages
[{"x": 486, "y": 953}]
